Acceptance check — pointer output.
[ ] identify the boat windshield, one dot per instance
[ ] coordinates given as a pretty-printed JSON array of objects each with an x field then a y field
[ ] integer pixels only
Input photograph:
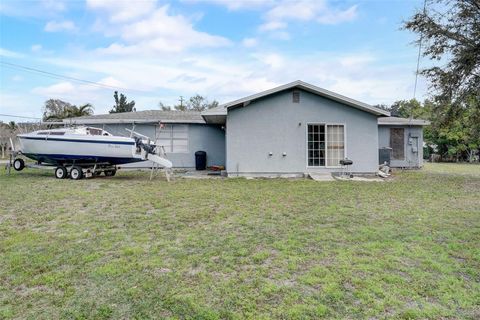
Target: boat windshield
[
  {"x": 97, "y": 132},
  {"x": 94, "y": 131}
]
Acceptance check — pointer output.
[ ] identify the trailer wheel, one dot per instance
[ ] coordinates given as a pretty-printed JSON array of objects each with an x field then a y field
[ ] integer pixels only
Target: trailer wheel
[
  {"x": 18, "y": 164},
  {"x": 110, "y": 173},
  {"x": 61, "y": 173},
  {"x": 76, "y": 173}
]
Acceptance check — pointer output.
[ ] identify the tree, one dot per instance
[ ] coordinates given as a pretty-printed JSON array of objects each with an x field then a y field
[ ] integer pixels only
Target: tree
[
  {"x": 457, "y": 133},
  {"x": 200, "y": 103},
  {"x": 195, "y": 103},
  {"x": 121, "y": 104},
  {"x": 164, "y": 107},
  {"x": 7, "y": 132},
  {"x": 411, "y": 109},
  {"x": 450, "y": 33},
  {"x": 56, "y": 109},
  {"x": 83, "y": 110},
  {"x": 12, "y": 126}
]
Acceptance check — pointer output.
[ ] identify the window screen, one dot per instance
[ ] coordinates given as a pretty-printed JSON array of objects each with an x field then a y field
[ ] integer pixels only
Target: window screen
[
  {"x": 296, "y": 96},
  {"x": 397, "y": 143},
  {"x": 174, "y": 138}
]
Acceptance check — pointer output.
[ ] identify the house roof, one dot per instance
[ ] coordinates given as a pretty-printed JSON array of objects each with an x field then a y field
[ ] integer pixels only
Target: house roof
[
  {"x": 392, "y": 121},
  {"x": 147, "y": 116},
  {"x": 218, "y": 112}
]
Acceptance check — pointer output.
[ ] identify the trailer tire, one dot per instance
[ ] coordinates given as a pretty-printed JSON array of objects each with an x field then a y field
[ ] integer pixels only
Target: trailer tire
[
  {"x": 110, "y": 173},
  {"x": 18, "y": 164},
  {"x": 76, "y": 173},
  {"x": 61, "y": 173}
]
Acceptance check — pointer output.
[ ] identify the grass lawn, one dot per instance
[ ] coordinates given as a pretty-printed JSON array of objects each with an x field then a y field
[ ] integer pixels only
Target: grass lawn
[{"x": 126, "y": 247}]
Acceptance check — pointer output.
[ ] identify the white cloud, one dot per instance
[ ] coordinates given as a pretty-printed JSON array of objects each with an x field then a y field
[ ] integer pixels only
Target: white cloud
[
  {"x": 249, "y": 42},
  {"x": 319, "y": 11},
  {"x": 159, "y": 31},
  {"x": 224, "y": 76},
  {"x": 113, "y": 82},
  {"x": 273, "y": 60},
  {"x": 295, "y": 10},
  {"x": 10, "y": 54},
  {"x": 338, "y": 16},
  {"x": 55, "y": 26},
  {"x": 272, "y": 25},
  {"x": 157, "y": 54},
  {"x": 39, "y": 9},
  {"x": 122, "y": 11},
  {"x": 55, "y": 5},
  {"x": 19, "y": 104},
  {"x": 236, "y": 4},
  {"x": 36, "y": 48},
  {"x": 58, "y": 90},
  {"x": 280, "y": 35}
]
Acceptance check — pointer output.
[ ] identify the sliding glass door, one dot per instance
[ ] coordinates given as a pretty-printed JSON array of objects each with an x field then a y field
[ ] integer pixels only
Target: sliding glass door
[
  {"x": 316, "y": 145},
  {"x": 325, "y": 145}
]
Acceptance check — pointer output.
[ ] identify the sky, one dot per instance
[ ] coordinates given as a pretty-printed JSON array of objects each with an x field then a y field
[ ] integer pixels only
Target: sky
[{"x": 156, "y": 51}]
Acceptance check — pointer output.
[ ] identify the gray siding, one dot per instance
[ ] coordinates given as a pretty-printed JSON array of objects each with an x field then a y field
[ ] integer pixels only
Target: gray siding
[
  {"x": 200, "y": 137},
  {"x": 276, "y": 124},
  {"x": 412, "y": 159}
]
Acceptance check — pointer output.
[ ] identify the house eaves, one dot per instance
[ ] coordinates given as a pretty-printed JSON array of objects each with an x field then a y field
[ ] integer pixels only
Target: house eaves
[
  {"x": 397, "y": 121},
  {"x": 147, "y": 116}
]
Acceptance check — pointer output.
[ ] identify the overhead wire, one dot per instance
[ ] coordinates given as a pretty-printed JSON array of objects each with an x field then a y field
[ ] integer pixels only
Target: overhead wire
[
  {"x": 63, "y": 77},
  {"x": 419, "y": 53}
]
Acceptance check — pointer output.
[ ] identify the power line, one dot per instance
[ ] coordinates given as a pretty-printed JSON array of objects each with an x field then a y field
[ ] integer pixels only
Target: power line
[
  {"x": 14, "y": 116},
  {"x": 419, "y": 52},
  {"x": 59, "y": 76}
]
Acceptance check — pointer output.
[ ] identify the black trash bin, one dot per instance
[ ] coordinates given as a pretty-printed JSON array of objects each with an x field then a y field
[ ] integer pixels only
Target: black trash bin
[{"x": 200, "y": 160}]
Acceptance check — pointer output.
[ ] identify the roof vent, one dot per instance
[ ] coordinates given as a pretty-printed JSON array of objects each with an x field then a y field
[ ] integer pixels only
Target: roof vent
[{"x": 296, "y": 96}]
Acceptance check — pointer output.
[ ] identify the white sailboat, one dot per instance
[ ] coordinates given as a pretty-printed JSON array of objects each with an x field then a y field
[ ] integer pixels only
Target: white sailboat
[{"x": 78, "y": 151}]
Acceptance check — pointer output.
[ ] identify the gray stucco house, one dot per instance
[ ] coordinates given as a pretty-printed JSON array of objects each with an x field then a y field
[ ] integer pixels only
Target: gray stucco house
[{"x": 290, "y": 130}]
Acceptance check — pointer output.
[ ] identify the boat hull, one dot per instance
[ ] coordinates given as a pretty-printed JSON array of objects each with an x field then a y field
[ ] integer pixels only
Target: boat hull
[{"x": 56, "y": 150}]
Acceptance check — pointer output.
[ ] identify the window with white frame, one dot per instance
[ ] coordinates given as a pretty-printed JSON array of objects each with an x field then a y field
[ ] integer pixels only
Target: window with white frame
[
  {"x": 316, "y": 145},
  {"x": 325, "y": 145},
  {"x": 173, "y": 138}
]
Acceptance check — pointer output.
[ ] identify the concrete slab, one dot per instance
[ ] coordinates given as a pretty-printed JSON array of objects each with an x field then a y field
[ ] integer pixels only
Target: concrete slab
[
  {"x": 321, "y": 176},
  {"x": 203, "y": 174},
  {"x": 366, "y": 179}
]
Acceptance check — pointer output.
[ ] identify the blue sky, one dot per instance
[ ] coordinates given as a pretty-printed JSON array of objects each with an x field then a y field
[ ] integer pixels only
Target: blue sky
[{"x": 159, "y": 50}]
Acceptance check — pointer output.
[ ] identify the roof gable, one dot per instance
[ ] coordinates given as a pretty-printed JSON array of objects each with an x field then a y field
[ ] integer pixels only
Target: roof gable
[{"x": 222, "y": 109}]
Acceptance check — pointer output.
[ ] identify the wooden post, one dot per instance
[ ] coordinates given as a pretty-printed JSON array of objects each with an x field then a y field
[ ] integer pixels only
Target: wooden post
[{"x": 9, "y": 163}]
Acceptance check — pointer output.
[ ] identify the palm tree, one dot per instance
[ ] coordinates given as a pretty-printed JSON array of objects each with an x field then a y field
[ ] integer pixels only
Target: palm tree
[
  {"x": 83, "y": 110},
  {"x": 12, "y": 126}
]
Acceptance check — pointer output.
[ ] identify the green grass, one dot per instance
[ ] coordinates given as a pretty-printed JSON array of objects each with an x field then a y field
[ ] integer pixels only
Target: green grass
[{"x": 126, "y": 247}]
